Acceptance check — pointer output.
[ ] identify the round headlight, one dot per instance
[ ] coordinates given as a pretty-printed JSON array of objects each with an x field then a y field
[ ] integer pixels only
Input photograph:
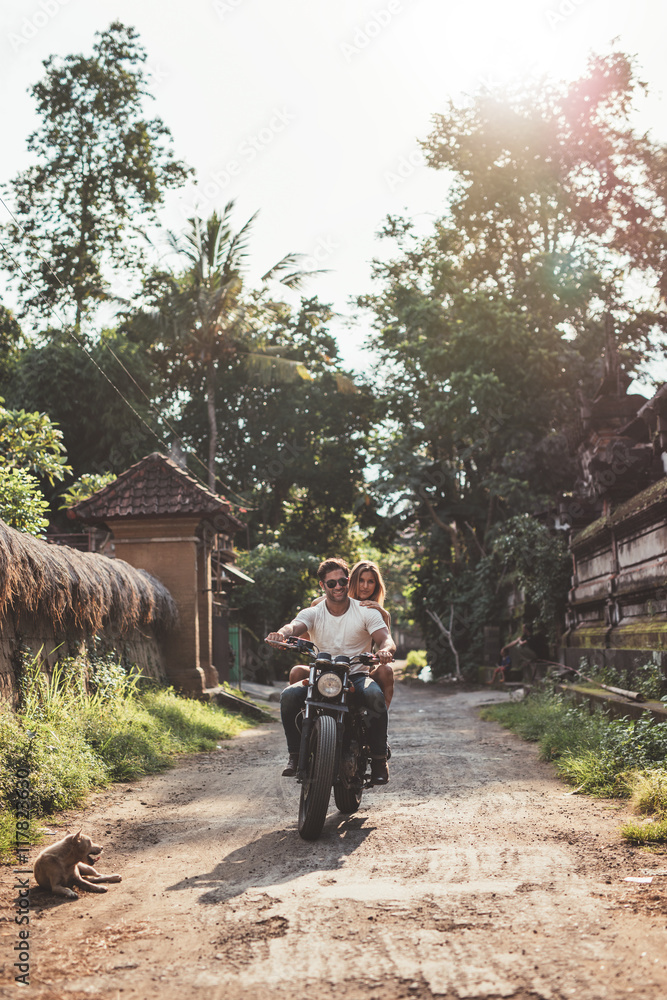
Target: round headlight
[{"x": 329, "y": 685}]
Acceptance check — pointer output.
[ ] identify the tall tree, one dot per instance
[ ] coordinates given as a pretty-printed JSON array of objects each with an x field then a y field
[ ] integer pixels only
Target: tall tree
[
  {"x": 102, "y": 169},
  {"x": 556, "y": 198},
  {"x": 488, "y": 327},
  {"x": 295, "y": 451},
  {"x": 203, "y": 312}
]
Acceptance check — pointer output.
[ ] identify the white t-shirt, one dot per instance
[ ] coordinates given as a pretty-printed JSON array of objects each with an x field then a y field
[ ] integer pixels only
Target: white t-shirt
[{"x": 342, "y": 635}]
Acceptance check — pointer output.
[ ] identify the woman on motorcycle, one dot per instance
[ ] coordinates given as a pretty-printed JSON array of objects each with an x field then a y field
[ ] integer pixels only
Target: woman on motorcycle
[{"x": 367, "y": 587}]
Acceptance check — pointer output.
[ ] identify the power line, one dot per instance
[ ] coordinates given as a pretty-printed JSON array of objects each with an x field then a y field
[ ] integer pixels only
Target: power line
[
  {"x": 168, "y": 425},
  {"x": 69, "y": 331}
]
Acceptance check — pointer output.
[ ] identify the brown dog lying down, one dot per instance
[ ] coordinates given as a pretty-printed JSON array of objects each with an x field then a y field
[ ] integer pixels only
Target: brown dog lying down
[{"x": 61, "y": 865}]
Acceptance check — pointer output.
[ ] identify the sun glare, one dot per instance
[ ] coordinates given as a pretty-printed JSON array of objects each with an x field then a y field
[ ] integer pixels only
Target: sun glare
[{"x": 490, "y": 43}]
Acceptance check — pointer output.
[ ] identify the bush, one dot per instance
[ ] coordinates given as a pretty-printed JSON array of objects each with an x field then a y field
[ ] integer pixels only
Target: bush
[
  {"x": 647, "y": 679},
  {"x": 649, "y": 791},
  {"x": 416, "y": 661}
]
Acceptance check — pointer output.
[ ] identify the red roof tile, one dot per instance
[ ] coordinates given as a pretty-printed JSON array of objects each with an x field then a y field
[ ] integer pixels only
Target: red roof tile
[{"x": 154, "y": 487}]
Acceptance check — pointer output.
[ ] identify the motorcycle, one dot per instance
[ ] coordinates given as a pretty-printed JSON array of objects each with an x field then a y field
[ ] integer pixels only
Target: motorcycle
[{"x": 334, "y": 741}]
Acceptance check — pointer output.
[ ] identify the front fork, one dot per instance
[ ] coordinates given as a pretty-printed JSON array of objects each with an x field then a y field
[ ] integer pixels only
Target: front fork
[{"x": 307, "y": 728}]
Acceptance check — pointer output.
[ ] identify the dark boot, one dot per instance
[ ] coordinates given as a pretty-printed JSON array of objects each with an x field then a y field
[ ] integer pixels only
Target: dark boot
[
  {"x": 292, "y": 766},
  {"x": 379, "y": 771}
]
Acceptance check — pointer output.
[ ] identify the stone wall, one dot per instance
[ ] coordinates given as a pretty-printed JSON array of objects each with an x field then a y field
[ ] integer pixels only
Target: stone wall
[{"x": 618, "y": 601}]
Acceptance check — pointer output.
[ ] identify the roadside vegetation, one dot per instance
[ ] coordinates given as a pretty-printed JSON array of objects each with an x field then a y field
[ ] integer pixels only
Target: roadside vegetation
[
  {"x": 87, "y": 726},
  {"x": 614, "y": 758}
]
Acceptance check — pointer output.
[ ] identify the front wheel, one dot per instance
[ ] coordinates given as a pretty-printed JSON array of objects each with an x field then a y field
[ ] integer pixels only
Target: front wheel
[{"x": 316, "y": 788}]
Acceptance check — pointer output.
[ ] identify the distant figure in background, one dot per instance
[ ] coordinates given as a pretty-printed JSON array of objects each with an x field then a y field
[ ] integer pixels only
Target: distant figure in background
[
  {"x": 524, "y": 652},
  {"x": 502, "y": 669}
]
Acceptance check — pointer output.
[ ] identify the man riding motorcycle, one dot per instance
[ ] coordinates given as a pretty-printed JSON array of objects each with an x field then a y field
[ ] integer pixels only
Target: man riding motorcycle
[{"x": 342, "y": 626}]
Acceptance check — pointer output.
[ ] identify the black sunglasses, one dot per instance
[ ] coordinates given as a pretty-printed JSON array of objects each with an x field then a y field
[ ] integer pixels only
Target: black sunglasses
[{"x": 342, "y": 581}]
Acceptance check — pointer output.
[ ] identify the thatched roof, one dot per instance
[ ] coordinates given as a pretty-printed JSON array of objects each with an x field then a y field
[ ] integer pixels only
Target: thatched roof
[
  {"x": 155, "y": 487},
  {"x": 78, "y": 590}
]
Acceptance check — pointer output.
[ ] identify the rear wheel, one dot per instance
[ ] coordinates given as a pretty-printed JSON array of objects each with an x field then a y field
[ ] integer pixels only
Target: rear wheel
[
  {"x": 348, "y": 800},
  {"x": 316, "y": 788}
]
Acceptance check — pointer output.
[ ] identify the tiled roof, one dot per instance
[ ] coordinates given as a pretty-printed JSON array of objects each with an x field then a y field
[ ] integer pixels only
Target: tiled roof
[{"x": 154, "y": 487}]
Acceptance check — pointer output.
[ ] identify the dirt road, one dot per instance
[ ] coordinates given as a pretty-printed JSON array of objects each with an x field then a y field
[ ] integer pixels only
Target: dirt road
[{"x": 474, "y": 874}]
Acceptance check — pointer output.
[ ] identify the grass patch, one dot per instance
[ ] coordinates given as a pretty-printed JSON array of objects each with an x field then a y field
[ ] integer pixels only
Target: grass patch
[
  {"x": 613, "y": 758},
  {"x": 649, "y": 791},
  {"x": 70, "y": 738},
  {"x": 646, "y": 833},
  {"x": 546, "y": 719}
]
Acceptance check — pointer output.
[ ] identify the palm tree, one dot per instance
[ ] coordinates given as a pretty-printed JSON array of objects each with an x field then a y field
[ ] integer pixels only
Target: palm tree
[{"x": 206, "y": 309}]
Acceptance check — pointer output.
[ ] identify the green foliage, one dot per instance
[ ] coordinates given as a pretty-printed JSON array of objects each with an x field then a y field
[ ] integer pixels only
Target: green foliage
[
  {"x": 415, "y": 662},
  {"x": 84, "y": 487},
  {"x": 33, "y": 442},
  {"x": 649, "y": 797},
  {"x": 489, "y": 326},
  {"x": 547, "y": 719},
  {"x": 646, "y": 679},
  {"x": 72, "y": 739},
  {"x": 285, "y": 580},
  {"x": 101, "y": 169},
  {"x": 295, "y": 451},
  {"x": 530, "y": 163},
  {"x": 649, "y": 791},
  {"x": 29, "y": 442},
  {"x": 10, "y": 339},
  {"x": 634, "y": 743},
  {"x": 646, "y": 833},
  {"x": 600, "y": 756},
  {"x": 541, "y": 564},
  {"x": 205, "y": 316},
  {"x": 100, "y": 432},
  {"x": 22, "y": 505},
  {"x": 470, "y": 590}
]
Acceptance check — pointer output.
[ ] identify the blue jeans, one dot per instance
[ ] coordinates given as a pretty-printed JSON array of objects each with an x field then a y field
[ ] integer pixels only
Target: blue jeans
[{"x": 293, "y": 699}]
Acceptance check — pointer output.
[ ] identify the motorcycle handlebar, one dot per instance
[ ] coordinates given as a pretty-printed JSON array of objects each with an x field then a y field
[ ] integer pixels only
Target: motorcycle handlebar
[{"x": 305, "y": 646}]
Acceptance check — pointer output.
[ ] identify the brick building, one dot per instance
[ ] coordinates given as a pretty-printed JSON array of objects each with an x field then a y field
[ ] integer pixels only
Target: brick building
[{"x": 161, "y": 519}]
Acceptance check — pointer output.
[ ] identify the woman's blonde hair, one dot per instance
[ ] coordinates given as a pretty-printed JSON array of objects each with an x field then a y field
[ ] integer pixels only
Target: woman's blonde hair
[{"x": 355, "y": 575}]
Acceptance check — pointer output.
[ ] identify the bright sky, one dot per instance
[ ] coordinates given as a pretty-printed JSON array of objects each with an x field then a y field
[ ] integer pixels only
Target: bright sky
[{"x": 310, "y": 110}]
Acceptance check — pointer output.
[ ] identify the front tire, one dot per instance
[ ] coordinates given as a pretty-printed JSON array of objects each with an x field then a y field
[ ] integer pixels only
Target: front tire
[{"x": 316, "y": 789}]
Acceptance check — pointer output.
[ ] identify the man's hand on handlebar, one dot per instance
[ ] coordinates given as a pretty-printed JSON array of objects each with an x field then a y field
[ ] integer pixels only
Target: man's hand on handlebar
[
  {"x": 384, "y": 656},
  {"x": 275, "y": 638}
]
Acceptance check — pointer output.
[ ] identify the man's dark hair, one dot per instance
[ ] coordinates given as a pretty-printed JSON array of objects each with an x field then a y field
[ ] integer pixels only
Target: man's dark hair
[{"x": 329, "y": 565}]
